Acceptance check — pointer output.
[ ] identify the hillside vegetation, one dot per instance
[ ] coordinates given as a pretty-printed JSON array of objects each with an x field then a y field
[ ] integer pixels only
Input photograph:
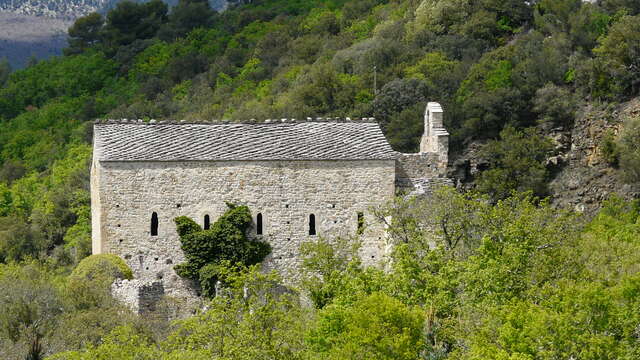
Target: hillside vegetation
[{"x": 518, "y": 281}]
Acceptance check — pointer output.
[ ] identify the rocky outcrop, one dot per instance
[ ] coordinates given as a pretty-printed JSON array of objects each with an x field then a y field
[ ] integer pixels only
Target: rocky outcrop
[{"x": 582, "y": 177}]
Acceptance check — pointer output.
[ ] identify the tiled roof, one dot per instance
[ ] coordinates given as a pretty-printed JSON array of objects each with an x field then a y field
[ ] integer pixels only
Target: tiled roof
[{"x": 122, "y": 141}]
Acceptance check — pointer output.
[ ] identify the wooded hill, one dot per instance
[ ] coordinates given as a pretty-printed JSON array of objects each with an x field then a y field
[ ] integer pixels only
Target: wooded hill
[{"x": 504, "y": 71}]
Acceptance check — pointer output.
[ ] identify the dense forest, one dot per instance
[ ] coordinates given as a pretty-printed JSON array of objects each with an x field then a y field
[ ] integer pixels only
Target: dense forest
[{"x": 510, "y": 277}]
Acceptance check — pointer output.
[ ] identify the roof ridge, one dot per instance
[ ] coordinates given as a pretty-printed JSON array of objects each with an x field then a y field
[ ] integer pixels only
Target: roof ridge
[{"x": 244, "y": 122}]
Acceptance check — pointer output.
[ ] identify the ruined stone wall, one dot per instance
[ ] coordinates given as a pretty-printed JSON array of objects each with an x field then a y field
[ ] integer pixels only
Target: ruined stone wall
[
  {"x": 420, "y": 173},
  {"x": 141, "y": 296},
  {"x": 414, "y": 166},
  {"x": 284, "y": 192}
]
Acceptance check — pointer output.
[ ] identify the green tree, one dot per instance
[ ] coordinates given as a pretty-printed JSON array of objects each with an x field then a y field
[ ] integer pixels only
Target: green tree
[
  {"x": 555, "y": 105},
  {"x": 614, "y": 6},
  {"x": 376, "y": 327},
  {"x": 628, "y": 149},
  {"x": 130, "y": 21},
  {"x": 254, "y": 319},
  {"x": 576, "y": 313},
  {"x": 90, "y": 282},
  {"x": 84, "y": 33},
  {"x": 396, "y": 96},
  {"x": 442, "y": 75},
  {"x": 619, "y": 53},
  {"x": 186, "y": 16},
  {"x": 19, "y": 241},
  {"x": 327, "y": 267},
  {"x": 517, "y": 162},
  {"x": 28, "y": 310}
]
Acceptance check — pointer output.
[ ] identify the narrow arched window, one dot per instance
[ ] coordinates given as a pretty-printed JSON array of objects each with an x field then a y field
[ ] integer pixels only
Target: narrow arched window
[
  {"x": 312, "y": 224},
  {"x": 207, "y": 222},
  {"x": 154, "y": 224},
  {"x": 360, "y": 223},
  {"x": 259, "y": 224}
]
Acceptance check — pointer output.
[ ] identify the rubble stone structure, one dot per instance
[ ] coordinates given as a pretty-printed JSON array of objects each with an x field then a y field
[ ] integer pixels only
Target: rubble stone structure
[{"x": 300, "y": 179}]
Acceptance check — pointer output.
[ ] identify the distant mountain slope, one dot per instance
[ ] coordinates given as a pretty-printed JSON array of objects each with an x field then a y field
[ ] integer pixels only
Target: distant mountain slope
[
  {"x": 69, "y": 9},
  {"x": 38, "y": 27},
  {"x": 72, "y": 9},
  {"x": 22, "y": 36}
]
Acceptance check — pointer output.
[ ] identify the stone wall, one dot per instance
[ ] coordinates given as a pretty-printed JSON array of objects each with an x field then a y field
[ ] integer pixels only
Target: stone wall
[
  {"x": 435, "y": 138},
  {"x": 125, "y": 194},
  {"x": 415, "y": 166},
  {"x": 420, "y": 173},
  {"x": 141, "y": 296}
]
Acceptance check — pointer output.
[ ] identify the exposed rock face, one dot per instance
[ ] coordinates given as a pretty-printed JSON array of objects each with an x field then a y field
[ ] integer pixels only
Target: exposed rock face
[
  {"x": 467, "y": 166},
  {"x": 580, "y": 176},
  {"x": 583, "y": 178}
]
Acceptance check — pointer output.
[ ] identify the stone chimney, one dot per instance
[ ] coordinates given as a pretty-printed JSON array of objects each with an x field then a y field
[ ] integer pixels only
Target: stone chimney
[{"x": 435, "y": 138}]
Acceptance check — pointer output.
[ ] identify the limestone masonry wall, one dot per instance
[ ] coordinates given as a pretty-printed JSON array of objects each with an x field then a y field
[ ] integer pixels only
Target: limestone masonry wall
[
  {"x": 419, "y": 173},
  {"x": 141, "y": 296},
  {"x": 286, "y": 193}
]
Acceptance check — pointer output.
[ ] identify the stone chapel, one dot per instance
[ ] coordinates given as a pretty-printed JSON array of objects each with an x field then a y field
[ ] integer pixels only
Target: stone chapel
[{"x": 300, "y": 179}]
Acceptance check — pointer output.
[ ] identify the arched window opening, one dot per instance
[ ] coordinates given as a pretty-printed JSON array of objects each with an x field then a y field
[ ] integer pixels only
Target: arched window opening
[
  {"x": 312, "y": 224},
  {"x": 360, "y": 223},
  {"x": 259, "y": 224},
  {"x": 154, "y": 224},
  {"x": 207, "y": 222}
]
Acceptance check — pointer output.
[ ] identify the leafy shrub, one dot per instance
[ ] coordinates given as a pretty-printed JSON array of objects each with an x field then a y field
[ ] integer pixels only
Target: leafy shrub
[
  {"x": 609, "y": 149},
  {"x": 378, "y": 325},
  {"x": 19, "y": 241},
  {"x": 629, "y": 149},
  {"x": 616, "y": 69},
  {"x": 396, "y": 96},
  {"x": 102, "y": 266},
  {"x": 225, "y": 241},
  {"x": 89, "y": 285},
  {"x": 517, "y": 162},
  {"x": 555, "y": 105},
  {"x": 28, "y": 310}
]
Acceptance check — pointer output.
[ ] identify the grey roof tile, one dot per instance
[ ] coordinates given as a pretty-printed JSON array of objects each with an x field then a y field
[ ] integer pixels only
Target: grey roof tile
[{"x": 124, "y": 141}]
